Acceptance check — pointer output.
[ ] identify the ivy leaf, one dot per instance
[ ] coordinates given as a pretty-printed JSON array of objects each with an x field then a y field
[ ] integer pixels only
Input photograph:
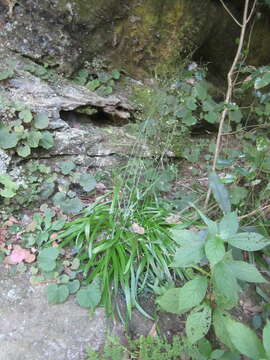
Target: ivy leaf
[
  {"x": 211, "y": 117},
  {"x": 33, "y": 138},
  {"x": 71, "y": 206},
  {"x": 66, "y": 167},
  {"x": 26, "y": 116},
  {"x": 214, "y": 250},
  {"x": 8, "y": 140},
  {"x": 46, "y": 140},
  {"x": 200, "y": 91},
  {"x": 228, "y": 225},
  {"x": 263, "y": 81},
  {"x": 93, "y": 85},
  {"x": 47, "y": 258},
  {"x": 266, "y": 338},
  {"x": 236, "y": 116},
  {"x": 225, "y": 286},
  {"x": 191, "y": 103},
  {"x": 73, "y": 286},
  {"x": 88, "y": 182},
  {"x": 189, "y": 120},
  {"x": 23, "y": 150},
  {"x": 244, "y": 339},
  {"x": 116, "y": 74},
  {"x": 57, "y": 294},
  {"x": 90, "y": 296},
  {"x": 248, "y": 241},
  {"x": 41, "y": 121},
  {"x": 220, "y": 193},
  {"x": 198, "y": 323},
  {"x": 246, "y": 272}
]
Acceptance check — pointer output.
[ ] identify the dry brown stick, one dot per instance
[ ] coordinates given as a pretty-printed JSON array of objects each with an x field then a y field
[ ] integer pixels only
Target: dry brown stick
[
  {"x": 254, "y": 212},
  {"x": 230, "y": 78}
]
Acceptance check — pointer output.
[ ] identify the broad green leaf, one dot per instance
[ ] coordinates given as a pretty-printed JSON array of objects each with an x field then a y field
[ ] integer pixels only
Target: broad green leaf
[
  {"x": 220, "y": 193},
  {"x": 71, "y": 206},
  {"x": 228, "y": 225},
  {"x": 169, "y": 301},
  {"x": 246, "y": 272},
  {"x": 200, "y": 91},
  {"x": 214, "y": 249},
  {"x": 248, "y": 241},
  {"x": 188, "y": 255},
  {"x": 266, "y": 338},
  {"x": 198, "y": 323},
  {"x": 25, "y": 116},
  {"x": 93, "y": 85},
  {"x": 180, "y": 300},
  {"x": 33, "y": 138},
  {"x": 66, "y": 167},
  {"x": 23, "y": 150},
  {"x": 235, "y": 115},
  {"x": 191, "y": 103},
  {"x": 46, "y": 258},
  {"x": 89, "y": 297},
  {"x": 190, "y": 120},
  {"x": 184, "y": 237},
  {"x": 88, "y": 182},
  {"x": 244, "y": 339},
  {"x": 57, "y": 294},
  {"x": 47, "y": 140},
  {"x": 225, "y": 285},
  {"x": 263, "y": 81},
  {"x": 8, "y": 140},
  {"x": 41, "y": 121},
  {"x": 192, "y": 293},
  {"x": 219, "y": 318},
  {"x": 116, "y": 74},
  {"x": 212, "y": 117},
  {"x": 73, "y": 286}
]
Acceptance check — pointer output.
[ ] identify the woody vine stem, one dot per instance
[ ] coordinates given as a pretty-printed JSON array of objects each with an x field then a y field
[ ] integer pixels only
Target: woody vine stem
[{"x": 230, "y": 77}]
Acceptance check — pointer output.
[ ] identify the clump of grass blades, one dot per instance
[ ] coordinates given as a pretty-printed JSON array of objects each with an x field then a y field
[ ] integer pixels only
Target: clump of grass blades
[{"x": 121, "y": 259}]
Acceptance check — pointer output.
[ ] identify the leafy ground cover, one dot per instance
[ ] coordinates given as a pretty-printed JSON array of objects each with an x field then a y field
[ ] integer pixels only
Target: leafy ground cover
[{"x": 149, "y": 230}]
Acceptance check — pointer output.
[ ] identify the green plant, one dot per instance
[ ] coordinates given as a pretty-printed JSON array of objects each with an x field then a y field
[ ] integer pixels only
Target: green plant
[
  {"x": 126, "y": 248},
  {"x": 26, "y": 132},
  {"x": 214, "y": 287},
  {"x": 9, "y": 187},
  {"x": 102, "y": 82},
  {"x": 153, "y": 348}
]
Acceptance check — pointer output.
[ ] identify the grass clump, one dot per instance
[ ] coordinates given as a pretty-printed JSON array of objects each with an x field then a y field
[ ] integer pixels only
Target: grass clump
[{"x": 125, "y": 243}]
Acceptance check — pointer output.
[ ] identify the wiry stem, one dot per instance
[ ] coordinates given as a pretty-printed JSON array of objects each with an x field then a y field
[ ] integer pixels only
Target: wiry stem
[{"x": 230, "y": 81}]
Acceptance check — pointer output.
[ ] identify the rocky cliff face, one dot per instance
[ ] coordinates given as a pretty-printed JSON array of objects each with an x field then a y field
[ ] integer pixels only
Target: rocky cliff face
[{"x": 139, "y": 35}]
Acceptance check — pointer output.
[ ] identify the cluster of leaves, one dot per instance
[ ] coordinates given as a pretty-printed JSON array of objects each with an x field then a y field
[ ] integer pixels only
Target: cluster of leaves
[
  {"x": 174, "y": 108},
  {"x": 102, "y": 82},
  {"x": 26, "y": 132},
  {"x": 153, "y": 348},
  {"x": 209, "y": 296},
  {"x": 112, "y": 246}
]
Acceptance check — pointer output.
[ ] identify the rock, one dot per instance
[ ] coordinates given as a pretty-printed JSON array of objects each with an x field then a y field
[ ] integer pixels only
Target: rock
[
  {"x": 5, "y": 160},
  {"x": 32, "y": 329},
  {"x": 53, "y": 94}
]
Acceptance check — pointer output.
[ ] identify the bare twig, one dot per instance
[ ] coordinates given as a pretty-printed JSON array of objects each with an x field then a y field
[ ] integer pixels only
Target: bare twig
[
  {"x": 230, "y": 80},
  {"x": 230, "y": 13},
  {"x": 260, "y": 209}
]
